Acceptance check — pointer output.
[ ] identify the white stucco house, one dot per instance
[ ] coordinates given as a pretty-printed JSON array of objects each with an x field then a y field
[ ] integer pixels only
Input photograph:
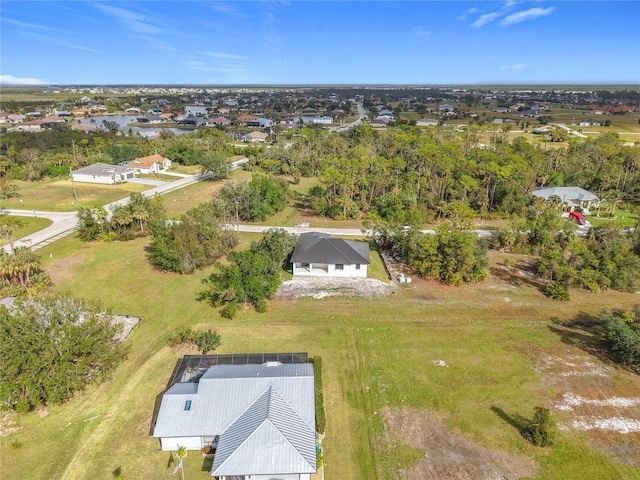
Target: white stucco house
[
  {"x": 570, "y": 197},
  {"x": 150, "y": 164},
  {"x": 318, "y": 254},
  {"x": 259, "y": 418},
  {"x": 103, "y": 173}
]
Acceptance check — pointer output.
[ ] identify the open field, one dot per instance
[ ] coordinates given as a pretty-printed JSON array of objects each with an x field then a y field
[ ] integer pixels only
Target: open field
[
  {"x": 623, "y": 218},
  {"x": 56, "y": 195},
  {"x": 29, "y": 225},
  {"x": 501, "y": 341}
]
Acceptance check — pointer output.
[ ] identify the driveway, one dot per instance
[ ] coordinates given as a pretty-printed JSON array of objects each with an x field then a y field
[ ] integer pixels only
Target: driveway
[{"x": 147, "y": 181}]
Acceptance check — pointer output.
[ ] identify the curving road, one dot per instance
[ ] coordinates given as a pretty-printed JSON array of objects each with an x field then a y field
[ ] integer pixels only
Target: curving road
[{"x": 64, "y": 223}]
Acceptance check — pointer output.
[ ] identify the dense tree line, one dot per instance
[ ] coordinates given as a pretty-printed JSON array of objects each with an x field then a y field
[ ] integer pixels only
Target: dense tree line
[
  {"x": 453, "y": 255},
  {"x": 194, "y": 241},
  {"x": 251, "y": 277},
  {"x": 256, "y": 200},
  {"x": 407, "y": 170},
  {"x": 123, "y": 222},
  {"x": 52, "y": 347},
  {"x": 621, "y": 333}
]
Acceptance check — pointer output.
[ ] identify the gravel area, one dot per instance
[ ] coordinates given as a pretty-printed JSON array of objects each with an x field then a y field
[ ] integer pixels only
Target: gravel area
[{"x": 320, "y": 287}]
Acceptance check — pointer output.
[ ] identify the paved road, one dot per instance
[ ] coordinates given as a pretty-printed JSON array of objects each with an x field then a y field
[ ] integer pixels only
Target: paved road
[
  {"x": 64, "y": 223},
  {"x": 362, "y": 114},
  {"x": 357, "y": 232},
  {"x": 569, "y": 130}
]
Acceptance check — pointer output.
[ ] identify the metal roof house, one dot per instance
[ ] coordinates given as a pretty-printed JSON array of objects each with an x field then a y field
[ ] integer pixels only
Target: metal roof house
[
  {"x": 318, "y": 254},
  {"x": 570, "y": 196},
  {"x": 103, "y": 173},
  {"x": 260, "y": 419}
]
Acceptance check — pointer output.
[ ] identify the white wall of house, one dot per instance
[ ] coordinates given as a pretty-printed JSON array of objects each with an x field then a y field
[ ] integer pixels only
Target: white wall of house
[
  {"x": 102, "y": 179},
  {"x": 324, "y": 270},
  {"x": 173, "y": 443}
]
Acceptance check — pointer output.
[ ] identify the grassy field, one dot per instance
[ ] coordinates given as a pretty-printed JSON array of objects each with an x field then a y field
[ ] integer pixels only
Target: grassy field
[
  {"x": 378, "y": 355},
  {"x": 56, "y": 195},
  {"x": 29, "y": 226},
  {"x": 623, "y": 218}
]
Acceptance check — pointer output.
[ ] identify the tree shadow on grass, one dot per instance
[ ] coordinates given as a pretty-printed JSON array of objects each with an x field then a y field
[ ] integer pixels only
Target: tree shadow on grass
[
  {"x": 518, "y": 422},
  {"x": 582, "y": 332},
  {"x": 207, "y": 464},
  {"x": 517, "y": 275}
]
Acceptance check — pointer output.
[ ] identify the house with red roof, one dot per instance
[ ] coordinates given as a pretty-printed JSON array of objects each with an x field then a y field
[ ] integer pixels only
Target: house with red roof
[{"x": 151, "y": 164}]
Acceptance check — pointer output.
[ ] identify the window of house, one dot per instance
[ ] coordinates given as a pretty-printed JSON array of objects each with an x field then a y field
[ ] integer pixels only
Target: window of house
[
  {"x": 339, "y": 266},
  {"x": 305, "y": 265},
  {"x": 187, "y": 405},
  {"x": 357, "y": 266}
]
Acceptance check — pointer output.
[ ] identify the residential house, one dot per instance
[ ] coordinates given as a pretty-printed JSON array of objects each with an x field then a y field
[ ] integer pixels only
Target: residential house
[
  {"x": 254, "y": 137},
  {"x": 192, "y": 122},
  {"x": 219, "y": 121},
  {"x": 445, "y": 107},
  {"x": 150, "y": 164},
  {"x": 324, "y": 120},
  {"x": 427, "y": 122},
  {"x": 590, "y": 122},
  {"x": 319, "y": 254},
  {"x": 256, "y": 410},
  {"x": 103, "y": 173},
  {"x": 570, "y": 197}
]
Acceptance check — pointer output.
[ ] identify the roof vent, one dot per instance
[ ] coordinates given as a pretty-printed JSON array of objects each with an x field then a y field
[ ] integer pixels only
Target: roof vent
[{"x": 272, "y": 364}]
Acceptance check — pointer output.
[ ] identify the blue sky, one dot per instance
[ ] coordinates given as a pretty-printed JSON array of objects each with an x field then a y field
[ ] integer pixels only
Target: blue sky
[{"x": 328, "y": 42}]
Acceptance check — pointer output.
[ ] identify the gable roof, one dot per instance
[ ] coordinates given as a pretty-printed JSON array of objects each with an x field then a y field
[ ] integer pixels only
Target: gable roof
[
  {"x": 147, "y": 161},
  {"x": 270, "y": 426},
  {"x": 566, "y": 194},
  {"x": 314, "y": 247}
]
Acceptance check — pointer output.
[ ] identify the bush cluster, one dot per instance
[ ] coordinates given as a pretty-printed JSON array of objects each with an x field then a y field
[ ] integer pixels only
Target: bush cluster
[
  {"x": 321, "y": 420},
  {"x": 204, "y": 340}
]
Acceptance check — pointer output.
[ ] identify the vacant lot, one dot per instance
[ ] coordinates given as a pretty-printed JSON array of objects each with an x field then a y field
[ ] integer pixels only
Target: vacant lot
[{"x": 467, "y": 363}]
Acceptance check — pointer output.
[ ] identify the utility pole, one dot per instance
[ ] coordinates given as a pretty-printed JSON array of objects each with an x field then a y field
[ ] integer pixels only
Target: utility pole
[
  {"x": 237, "y": 224},
  {"x": 73, "y": 187}
]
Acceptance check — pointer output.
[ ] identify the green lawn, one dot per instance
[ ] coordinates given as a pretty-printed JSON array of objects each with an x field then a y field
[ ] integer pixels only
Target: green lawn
[
  {"x": 623, "y": 218},
  {"x": 29, "y": 225},
  {"x": 377, "y": 354},
  {"x": 56, "y": 195}
]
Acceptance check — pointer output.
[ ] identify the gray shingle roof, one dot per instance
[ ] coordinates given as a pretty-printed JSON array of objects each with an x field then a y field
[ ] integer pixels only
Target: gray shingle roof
[
  {"x": 102, "y": 169},
  {"x": 314, "y": 247}
]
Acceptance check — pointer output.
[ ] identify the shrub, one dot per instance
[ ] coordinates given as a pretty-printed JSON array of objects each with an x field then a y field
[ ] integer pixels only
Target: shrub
[
  {"x": 557, "y": 291},
  {"x": 539, "y": 430},
  {"x": 206, "y": 341},
  {"x": 319, "y": 395}
]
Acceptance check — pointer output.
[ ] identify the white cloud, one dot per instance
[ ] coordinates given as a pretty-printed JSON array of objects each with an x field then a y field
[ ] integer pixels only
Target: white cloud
[
  {"x": 484, "y": 19},
  {"x": 519, "y": 66},
  {"x": 134, "y": 21},
  {"x": 224, "y": 55},
  {"x": 466, "y": 14},
  {"x": 11, "y": 80},
  {"x": 525, "y": 15},
  {"x": 421, "y": 32},
  {"x": 226, "y": 9},
  {"x": 30, "y": 26}
]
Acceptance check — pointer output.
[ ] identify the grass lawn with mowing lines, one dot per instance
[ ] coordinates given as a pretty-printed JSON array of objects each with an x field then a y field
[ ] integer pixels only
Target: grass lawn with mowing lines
[
  {"x": 29, "y": 225},
  {"x": 56, "y": 195},
  {"x": 377, "y": 353}
]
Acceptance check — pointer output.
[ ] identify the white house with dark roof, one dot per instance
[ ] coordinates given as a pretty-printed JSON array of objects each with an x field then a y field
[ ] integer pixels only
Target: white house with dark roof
[
  {"x": 318, "y": 254},
  {"x": 260, "y": 418},
  {"x": 103, "y": 173}
]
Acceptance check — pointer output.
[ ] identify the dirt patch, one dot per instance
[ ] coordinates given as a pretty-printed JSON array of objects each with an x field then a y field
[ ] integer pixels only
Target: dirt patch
[
  {"x": 448, "y": 456},
  {"x": 320, "y": 287},
  {"x": 60, "y": 270},
  {"x": 594, "y": 397}
]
